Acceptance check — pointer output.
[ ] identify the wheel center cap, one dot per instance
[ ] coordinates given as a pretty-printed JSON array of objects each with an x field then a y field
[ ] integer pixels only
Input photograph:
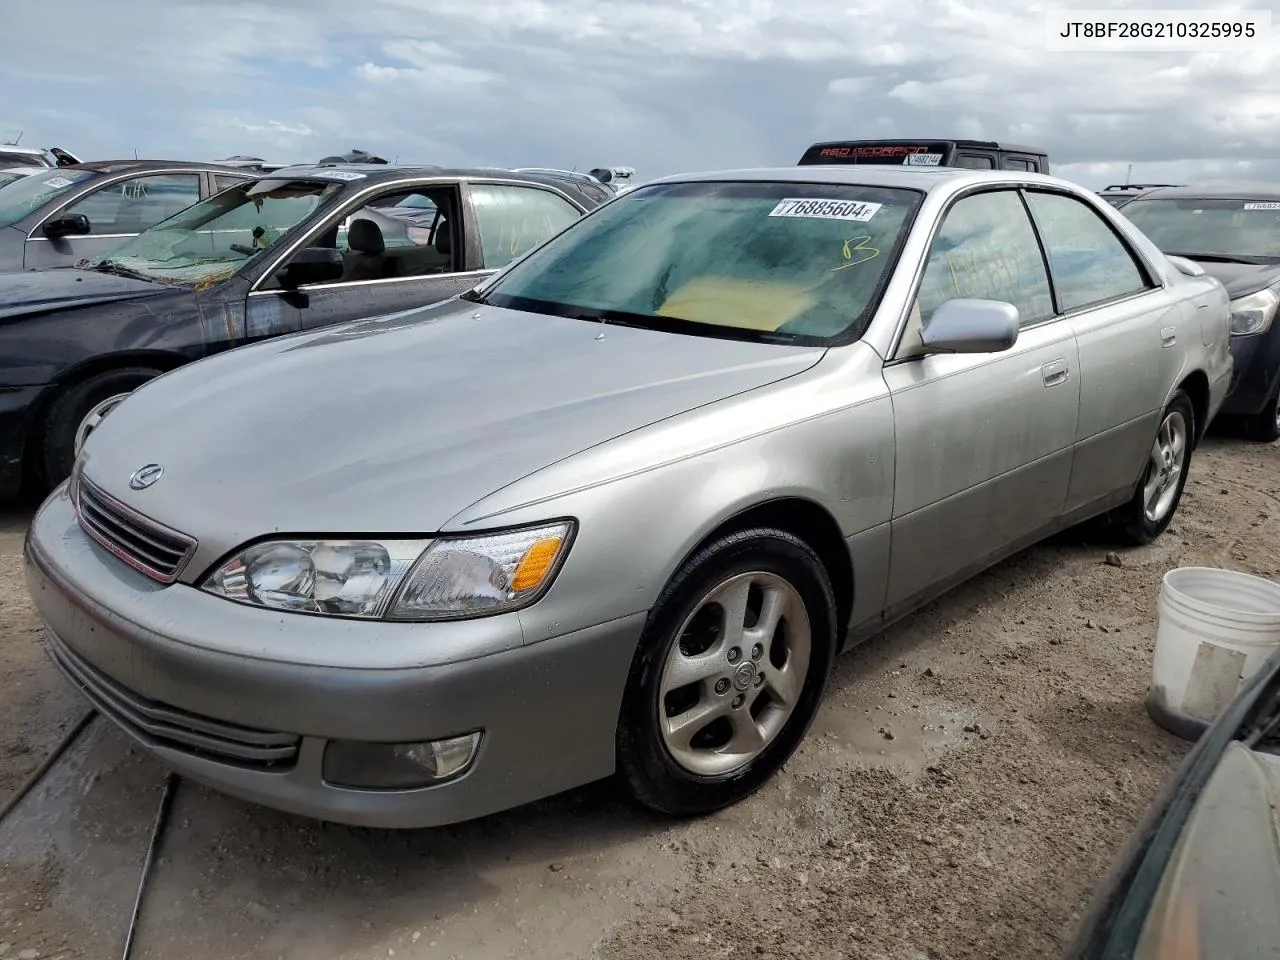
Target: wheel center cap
[{"x": 744, "y": 676}]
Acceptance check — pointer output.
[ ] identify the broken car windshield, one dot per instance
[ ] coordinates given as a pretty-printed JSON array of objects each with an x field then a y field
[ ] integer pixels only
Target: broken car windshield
[{"x": 218, "y": 236}]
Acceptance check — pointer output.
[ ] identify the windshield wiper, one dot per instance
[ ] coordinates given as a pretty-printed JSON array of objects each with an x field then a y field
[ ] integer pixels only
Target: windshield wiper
[
  {"x": 110, "y": 266},
  {"x": 1228, "y": 258}
]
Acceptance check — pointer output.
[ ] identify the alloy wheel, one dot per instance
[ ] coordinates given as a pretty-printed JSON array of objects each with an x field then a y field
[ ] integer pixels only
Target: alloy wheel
[
  {"x": 734, "y": 673},
  {"x": 1167, "y": 461}
]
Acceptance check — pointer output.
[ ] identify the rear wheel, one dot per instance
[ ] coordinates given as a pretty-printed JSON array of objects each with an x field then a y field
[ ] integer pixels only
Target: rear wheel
[
  {"x": 1159, "y": 492},
  {"x": 75, "y": 413},
  {"x": 728, "y": 674}
]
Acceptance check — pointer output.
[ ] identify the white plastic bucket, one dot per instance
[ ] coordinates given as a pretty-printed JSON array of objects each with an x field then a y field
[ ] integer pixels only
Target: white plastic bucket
[{"x": 1215, "y": 629}]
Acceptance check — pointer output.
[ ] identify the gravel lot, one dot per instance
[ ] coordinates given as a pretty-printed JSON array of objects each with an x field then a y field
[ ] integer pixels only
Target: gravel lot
[{"x": 966, "y": 785}]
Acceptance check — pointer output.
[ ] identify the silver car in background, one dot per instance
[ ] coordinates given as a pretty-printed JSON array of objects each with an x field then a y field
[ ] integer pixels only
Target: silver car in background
[{"x": 617, "y": 509}]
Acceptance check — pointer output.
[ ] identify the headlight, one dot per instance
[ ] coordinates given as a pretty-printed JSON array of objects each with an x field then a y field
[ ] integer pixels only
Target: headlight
[
  {"x": 449, "y": 578},
  {"x": 1254, "y": 313}
]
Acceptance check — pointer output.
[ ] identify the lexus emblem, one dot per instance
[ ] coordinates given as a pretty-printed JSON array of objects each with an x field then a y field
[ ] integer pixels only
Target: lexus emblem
[{"x": 144, "y": 477}]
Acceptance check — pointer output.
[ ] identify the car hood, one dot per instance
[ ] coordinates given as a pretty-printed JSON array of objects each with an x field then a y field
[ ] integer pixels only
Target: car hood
[
  {"x": 1242, "y": 279},
  {"x": 44, "y": 291},
  {"x": 399, "y": 423}
]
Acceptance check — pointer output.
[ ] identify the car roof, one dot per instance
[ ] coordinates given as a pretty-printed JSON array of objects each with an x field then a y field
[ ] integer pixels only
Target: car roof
[
  {"x": 873, "y": 175},
  {"x": 125, "y": 166},
  {"x": 381, "y": 172},
  {"x": 24, "y": 151},
  {"x": 1239, "y": 190}
]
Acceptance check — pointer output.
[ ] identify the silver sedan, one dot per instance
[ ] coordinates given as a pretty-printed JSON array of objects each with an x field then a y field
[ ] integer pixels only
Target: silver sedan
[{"x": 616, "y": 510}]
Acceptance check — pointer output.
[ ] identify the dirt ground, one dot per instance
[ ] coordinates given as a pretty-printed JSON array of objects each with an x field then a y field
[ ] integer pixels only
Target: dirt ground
[{"x": 969, "y": 779}]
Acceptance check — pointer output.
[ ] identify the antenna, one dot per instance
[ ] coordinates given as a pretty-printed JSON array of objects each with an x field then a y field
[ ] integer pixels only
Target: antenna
[
  {"x": 135, "y": 153},
  {"x": 1129, "y": 175}
]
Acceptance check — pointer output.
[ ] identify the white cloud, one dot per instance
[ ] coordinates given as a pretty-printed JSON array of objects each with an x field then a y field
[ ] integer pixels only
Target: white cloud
[{"x": 663, "y": 85}]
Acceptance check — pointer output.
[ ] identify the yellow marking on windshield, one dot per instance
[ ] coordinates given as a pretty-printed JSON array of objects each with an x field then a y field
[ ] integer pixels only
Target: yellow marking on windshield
[
  {"x": 856, "y": 251},
  {"x": 730, "y": 302}
]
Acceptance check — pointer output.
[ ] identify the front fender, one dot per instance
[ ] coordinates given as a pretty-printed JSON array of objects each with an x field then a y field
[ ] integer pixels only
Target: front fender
[{"x": 826, "y": 438}]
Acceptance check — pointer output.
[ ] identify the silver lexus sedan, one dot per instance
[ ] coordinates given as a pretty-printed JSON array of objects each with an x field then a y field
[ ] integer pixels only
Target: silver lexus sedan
[{"x": 615, "y": 510}]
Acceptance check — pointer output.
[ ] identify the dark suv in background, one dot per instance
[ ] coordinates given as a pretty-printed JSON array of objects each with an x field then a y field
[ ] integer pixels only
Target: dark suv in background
[{"x": 971, "y": 154}]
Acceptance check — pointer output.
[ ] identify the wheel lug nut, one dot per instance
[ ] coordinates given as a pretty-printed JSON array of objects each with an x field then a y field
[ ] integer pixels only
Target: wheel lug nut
[
  {"x": 735, "y": 655},
  {"x": 759, "y": 679},
  {"x": 722, "y": 686},
  {"x": 757, "y": 652},
  {"x": 738, "y": 701}
]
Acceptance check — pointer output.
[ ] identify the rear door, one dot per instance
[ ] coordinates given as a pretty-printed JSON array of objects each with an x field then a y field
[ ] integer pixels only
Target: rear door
[
  {"x": 1127, "y": 326},
  {"x": 117, "y": 211},
  {"x": 511, "y": 219}
]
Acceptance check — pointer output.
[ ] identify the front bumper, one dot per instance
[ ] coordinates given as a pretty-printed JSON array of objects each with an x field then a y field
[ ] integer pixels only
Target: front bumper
[
  {"x": 257, "y": 727},
  {"x": 1257, "y": 370}
]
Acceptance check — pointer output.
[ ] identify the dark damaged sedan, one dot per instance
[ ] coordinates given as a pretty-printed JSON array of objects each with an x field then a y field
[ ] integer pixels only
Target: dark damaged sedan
[
  {"x": 1233, "y": 233},
  {"x": 303, "y": 248}
]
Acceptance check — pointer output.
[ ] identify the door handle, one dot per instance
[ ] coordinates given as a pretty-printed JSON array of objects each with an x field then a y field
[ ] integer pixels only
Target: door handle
[
  {"x": 1054, "y": 373},
  {"x": 1168, "y": 336}
]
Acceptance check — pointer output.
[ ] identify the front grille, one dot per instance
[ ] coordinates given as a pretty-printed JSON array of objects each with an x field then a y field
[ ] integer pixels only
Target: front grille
[
  {"x": 159, "y": 724},
  {"x": 144, "y": 544}
]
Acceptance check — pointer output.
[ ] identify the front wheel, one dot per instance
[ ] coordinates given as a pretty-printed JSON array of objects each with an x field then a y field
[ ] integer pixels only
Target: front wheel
[
  {"x": 1164, "y": 476},
  {"x": 728, "y": 674},
  {"x": 75, "y": 413}
]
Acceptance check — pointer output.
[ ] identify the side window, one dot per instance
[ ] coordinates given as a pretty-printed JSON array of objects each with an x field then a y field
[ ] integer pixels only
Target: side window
[
  {"x": 1018, "y": 163},
  {"x": 133, "y": 205},
  {"x": 221, "y": 182},
  {"x": 975, "y": 161},
  {"x": 397, "y": 236},
  {"x": 1090, "y": 264},
  {"x": 513, "y": 220},
  {"x": 986, "y": 248}
]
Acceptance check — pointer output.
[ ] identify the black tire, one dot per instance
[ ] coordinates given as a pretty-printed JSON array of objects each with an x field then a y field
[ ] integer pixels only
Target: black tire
[
  {"x": 1131, "y": 520},
  {"x": 55, "y": 440},
  {"x": 646, "y": 767},
  {"x": 1264, "y": 426}
]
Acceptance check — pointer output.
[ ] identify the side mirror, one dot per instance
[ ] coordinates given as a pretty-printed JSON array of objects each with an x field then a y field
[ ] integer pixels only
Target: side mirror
[
  {"x": 312, "y": 265},
  {"x": 69, "y": 224},
  {"x": 971, "y": 326}
]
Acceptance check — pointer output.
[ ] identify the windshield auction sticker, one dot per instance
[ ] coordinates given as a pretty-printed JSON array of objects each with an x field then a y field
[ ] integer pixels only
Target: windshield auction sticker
[
  {"x": 922, "y": 159},
  {"x": 342, "y": 175},
  {"x": 57, "y": 182},
  {"x": 1262, "y": 205},
  {"x": 856, "y": 210}
]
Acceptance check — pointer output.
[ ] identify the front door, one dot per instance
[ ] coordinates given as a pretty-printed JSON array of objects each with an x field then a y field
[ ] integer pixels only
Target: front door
[
  {"x": 116, "y": 212},
  {"x": 400, "y": 250},
  {"x": 984, "y": 441}
]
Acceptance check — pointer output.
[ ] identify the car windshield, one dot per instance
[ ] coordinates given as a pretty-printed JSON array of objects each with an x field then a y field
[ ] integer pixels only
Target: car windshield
[
  {"x": 781, "y": 262},
  {"x": 215, "y": 238},
  {"x": 21, "y": 197},
  {"x": 1215, "y": 227},
  {"x": 8, "y": 176}
]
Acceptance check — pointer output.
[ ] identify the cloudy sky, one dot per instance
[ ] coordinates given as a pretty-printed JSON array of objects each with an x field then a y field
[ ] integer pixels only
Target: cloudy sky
[{"x": 661, "y": 85}]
